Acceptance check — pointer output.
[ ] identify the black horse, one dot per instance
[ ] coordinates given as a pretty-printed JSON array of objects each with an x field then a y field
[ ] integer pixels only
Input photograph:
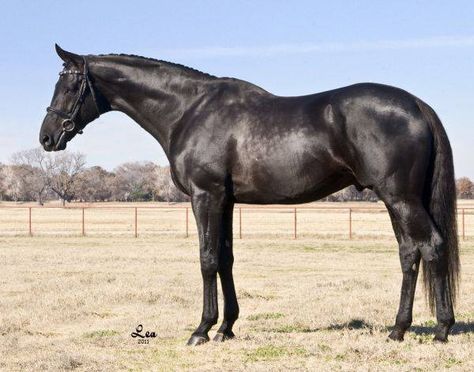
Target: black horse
[{"x": 230, "y": 141}]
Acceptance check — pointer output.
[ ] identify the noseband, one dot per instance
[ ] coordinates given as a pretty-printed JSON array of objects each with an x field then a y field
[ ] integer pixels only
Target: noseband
[{"x": 68, "y": 124}]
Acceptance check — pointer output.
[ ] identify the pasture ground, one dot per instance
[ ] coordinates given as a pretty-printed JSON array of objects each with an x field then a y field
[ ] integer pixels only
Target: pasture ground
[{"x": 71, "y": 303}]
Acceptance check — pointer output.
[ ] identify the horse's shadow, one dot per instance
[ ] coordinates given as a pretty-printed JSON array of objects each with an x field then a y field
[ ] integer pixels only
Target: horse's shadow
[
  {"x": 458, "y": 329},
  {"x": 353, "y": 324}
]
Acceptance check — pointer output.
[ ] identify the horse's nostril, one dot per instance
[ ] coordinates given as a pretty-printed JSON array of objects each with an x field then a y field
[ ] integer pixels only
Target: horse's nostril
[{"x": 47, "y": 140}]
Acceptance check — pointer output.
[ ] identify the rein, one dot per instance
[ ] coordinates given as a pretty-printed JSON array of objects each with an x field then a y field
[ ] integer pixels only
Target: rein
[{"x": 68, "y": 124}]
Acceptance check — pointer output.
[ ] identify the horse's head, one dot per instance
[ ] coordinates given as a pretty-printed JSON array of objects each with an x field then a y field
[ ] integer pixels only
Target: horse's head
[{"x": 74, "y": 103}]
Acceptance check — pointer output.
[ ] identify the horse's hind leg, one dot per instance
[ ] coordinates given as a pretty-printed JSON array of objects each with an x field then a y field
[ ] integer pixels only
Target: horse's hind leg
[
  {"x": 410, "y": 262},
  {"x": 444, "y": 305},
  {"x": 226, "y": 260},
  {"x": 418, "y": 236}
]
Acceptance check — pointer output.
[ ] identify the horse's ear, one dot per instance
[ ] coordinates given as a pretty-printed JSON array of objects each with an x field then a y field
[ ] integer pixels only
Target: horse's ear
[{"x": 68, "y": 57}]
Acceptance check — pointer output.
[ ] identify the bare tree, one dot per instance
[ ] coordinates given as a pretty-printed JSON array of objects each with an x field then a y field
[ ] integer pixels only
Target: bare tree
[
  {"x": 31, "y": 169},
  {"x": 63, "y": 174},
  {"x": 95, "y": 184},
  {"x": 3, "y": 189},
  {"x": 134, "y": 181},
  {"x": 12, "y": 183}
]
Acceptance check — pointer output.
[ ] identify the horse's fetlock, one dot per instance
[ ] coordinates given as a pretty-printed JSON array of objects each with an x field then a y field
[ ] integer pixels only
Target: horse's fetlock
[
  {"x": 232, "y": 315},
  {"x": 447, "y": 322},
  {"x": 404, "y": 324}
]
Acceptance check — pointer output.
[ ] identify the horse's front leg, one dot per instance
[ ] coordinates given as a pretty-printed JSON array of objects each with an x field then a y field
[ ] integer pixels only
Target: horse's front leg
[
  {"x": 208, "y": 210},
  {"x": 226, "y": 260}
]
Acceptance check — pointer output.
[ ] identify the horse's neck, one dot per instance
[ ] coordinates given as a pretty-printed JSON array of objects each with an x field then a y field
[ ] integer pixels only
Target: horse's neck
[{"x": 155, "y": 96}]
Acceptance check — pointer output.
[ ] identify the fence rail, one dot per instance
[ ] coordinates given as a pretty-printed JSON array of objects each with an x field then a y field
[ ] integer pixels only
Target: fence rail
[{"x": 249, "y": 221}]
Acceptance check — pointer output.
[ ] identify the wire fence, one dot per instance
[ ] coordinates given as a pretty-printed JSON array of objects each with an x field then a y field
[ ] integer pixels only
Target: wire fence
[{"x": 249, "y": 221}]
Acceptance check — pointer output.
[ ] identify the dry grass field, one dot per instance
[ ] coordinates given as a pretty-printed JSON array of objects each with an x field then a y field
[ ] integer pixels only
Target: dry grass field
[{"x": 71, "y": 303}]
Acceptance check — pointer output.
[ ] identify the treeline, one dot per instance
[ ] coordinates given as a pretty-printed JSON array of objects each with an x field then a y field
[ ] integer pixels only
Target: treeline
[
  {"x": 36, "y": 175},
  {"x": 352, "y": 194},
  {"x": 464, "y": 190}
]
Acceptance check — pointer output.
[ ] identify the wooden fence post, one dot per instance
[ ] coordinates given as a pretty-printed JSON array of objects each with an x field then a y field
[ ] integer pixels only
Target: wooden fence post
[
  {"x": 136, "y": 222},
  {"x": 240, "y": 222},
  {"x": 30, "y": 231},
  {"x": 463, "y": 226},
  {"x": 83, "y": 223},
  {"x": 295, "y": 219},
  {"x": 350, "y": 223},
  {"x": 187, "y": 222}
]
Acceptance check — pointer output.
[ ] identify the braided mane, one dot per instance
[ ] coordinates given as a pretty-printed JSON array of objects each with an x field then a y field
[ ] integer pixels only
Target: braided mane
[{"x": 180, "y": 66}]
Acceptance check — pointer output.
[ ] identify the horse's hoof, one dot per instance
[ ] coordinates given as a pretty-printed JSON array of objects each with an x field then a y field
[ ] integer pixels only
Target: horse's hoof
[
  {"x": 395, "y": 336},
  {"x": 221, "y": 337},
  {"x": 442, "y": 331},
  {"x": 196, "y": 340},
  {"x": 440, "y": 338}
]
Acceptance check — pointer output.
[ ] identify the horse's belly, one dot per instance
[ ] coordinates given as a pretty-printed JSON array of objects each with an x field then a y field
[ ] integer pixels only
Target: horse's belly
[
  {"x": 272, "y": 182},
  {"x": 279, "y": 163}
]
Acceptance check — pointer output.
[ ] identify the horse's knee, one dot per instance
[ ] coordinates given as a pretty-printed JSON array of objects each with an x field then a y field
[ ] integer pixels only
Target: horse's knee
[{"x": 209, "y": 266}]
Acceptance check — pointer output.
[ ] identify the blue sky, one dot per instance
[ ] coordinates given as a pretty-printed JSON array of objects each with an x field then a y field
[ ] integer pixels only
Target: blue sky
[{"x": 287, "y": 47}]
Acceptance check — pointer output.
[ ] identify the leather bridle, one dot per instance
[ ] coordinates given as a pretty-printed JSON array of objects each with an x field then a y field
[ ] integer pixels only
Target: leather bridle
[{"x": 68, "y": 124}]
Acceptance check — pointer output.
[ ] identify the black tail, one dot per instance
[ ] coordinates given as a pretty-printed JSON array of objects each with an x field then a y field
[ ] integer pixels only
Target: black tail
[{"x": 441, "y": 204}]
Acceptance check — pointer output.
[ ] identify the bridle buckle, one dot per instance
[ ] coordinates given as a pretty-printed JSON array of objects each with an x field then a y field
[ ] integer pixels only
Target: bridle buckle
[{"x": 68, "y": 125}]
